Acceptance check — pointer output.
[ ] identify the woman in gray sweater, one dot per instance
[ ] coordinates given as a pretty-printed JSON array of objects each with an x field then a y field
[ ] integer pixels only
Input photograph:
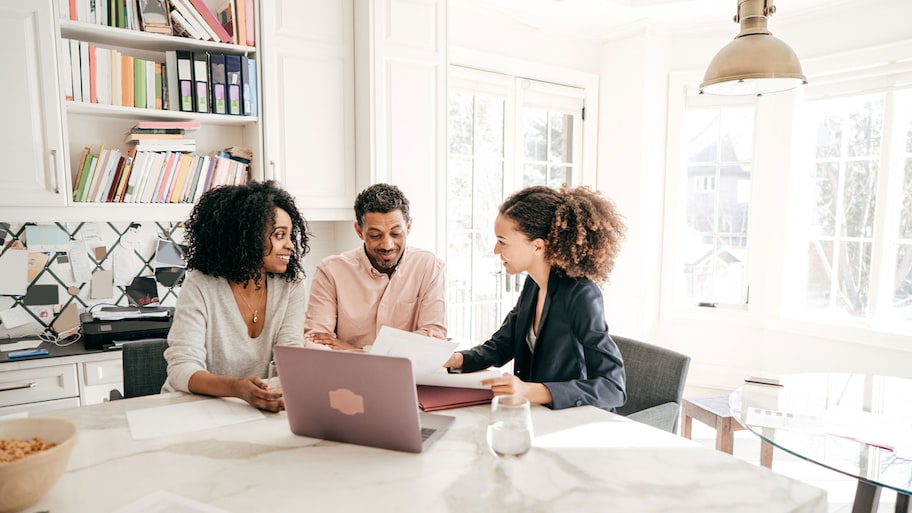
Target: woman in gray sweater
[{"x": 244, "y": 293}]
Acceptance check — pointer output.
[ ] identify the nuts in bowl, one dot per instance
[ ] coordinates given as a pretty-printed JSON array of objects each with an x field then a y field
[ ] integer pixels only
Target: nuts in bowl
[{"x": 34, "y": 452}]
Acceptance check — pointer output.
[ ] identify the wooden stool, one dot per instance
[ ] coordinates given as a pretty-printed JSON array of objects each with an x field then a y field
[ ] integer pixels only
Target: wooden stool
[{"x": 714, "y": 412}]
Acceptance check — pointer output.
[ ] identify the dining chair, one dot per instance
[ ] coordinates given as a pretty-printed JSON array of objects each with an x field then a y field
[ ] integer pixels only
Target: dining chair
[
  {"x": 144, "y": 368},
  {"x": 655, "y": 383}
]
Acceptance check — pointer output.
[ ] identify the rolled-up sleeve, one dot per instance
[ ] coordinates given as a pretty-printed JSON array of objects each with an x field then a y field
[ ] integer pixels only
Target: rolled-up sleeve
[{"x": 322, "y": 308}]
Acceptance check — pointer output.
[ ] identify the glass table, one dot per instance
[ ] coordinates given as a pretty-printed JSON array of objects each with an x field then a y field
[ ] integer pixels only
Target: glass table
[{"x": 857, "y": 424}]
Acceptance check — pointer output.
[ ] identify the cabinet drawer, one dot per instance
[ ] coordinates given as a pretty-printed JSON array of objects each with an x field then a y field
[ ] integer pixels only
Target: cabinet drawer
[
  {"x": 38, "y": 384},
  {"x": 102, "y": 372},
  {"x": 30, "y": 408}
]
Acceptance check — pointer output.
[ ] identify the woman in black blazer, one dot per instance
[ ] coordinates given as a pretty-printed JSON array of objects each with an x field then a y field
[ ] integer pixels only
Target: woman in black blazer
[{"x": 556, "y": 334}]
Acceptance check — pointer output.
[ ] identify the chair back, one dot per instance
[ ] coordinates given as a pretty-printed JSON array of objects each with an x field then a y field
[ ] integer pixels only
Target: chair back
[
  {"x": 655, "y": 381},
  {"x": 144, "y": 367}
]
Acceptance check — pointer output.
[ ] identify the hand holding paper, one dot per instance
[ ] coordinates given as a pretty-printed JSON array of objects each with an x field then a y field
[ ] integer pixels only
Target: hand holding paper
[{"x": 426, "y": 353}]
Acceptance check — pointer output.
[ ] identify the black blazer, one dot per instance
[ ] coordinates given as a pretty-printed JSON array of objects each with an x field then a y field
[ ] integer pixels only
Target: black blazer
[{"x": 574, "y": 356}]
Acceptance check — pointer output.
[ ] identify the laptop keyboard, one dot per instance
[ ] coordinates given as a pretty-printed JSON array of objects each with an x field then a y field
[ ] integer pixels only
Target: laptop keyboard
[{"x": 426, "y": 433}]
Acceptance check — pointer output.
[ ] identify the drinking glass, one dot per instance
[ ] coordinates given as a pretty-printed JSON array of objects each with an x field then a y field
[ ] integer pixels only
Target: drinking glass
[
  {"x": 272, "y": 377},
  {"x": 510, "y": 426}
]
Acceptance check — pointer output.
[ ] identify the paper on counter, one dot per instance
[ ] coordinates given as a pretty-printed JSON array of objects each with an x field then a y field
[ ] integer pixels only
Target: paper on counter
[
  {"x": 159, "y": 501},
  {"x": 467, "y": 380},
  {"x": 427, "y": 354},
  {"x": 188, "y": 417}
]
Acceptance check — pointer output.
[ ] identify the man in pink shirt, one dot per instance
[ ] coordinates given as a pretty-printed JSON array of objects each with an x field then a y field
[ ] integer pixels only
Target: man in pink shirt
[{"x": 382, "y": 283}]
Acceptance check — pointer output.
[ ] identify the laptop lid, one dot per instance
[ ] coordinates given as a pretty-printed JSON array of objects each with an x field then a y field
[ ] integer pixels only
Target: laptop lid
[{"x": 356, "y": 398}]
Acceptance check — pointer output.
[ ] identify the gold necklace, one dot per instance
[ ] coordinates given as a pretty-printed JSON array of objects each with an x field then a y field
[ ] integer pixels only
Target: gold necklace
[{"x": 255, "y": 311}]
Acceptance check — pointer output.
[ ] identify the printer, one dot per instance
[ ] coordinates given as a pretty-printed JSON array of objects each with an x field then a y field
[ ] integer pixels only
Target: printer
[{"x": 108, "y": 326}]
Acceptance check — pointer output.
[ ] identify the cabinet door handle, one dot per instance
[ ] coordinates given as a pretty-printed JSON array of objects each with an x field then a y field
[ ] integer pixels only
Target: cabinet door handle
[
  {"x": 19, "y": 387},
  {"x": 54, "y": 172}
]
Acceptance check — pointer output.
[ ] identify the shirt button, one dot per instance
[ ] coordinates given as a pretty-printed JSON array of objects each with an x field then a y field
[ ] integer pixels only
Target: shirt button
[{"x": 579, "y": 403}]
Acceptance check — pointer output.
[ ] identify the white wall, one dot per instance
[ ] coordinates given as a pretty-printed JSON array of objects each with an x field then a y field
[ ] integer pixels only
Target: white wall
[{"x": 631, "y": 167}]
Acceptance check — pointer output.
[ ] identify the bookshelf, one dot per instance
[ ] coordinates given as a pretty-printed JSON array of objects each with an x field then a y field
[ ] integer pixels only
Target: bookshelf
[{"x": 88, "y": 124}]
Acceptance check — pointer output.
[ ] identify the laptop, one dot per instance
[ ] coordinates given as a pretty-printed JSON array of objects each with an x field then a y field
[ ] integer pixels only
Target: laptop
[{"x": 357, "y": 398}]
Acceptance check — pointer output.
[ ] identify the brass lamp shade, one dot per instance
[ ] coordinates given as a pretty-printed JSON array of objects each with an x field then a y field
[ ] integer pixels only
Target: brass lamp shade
[{"x": 755, "y": 62}]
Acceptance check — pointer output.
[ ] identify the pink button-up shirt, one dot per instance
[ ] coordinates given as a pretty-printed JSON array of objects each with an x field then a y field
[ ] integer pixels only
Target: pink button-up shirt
[{"x": 351, "y": 299}]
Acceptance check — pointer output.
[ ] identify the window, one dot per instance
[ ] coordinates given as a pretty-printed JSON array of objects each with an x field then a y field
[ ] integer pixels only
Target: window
[
  {"x": 858, "y": 229},
  {"x": 711, "y": 262},
  {"x": 504, "y": 133}
]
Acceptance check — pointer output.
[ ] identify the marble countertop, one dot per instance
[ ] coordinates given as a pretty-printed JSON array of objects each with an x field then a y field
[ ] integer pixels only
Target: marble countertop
[{"x": 583, "y": 459}]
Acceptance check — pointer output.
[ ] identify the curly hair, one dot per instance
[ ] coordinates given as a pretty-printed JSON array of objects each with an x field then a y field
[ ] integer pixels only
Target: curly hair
[
  {"x": 381, "y": 198},
  {"x": 226, "y": 233},
  {"x": 581, "y": 228}
]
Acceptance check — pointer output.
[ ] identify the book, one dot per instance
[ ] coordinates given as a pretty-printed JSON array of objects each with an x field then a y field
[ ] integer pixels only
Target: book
[
  {"x": 212, "y": 21},
  {"x": 156, "y": 131},
  {"x": 433, "y": 398},
  {"x": 217, "y": 78},
  {"x": 75, "y": 70},
  {"x": 153, "y": 16},
  {"x": 173, "y": 125},
  {"x": 108, "y": 195},
  {"x": 88, "y": 170},
  {"x": 194, "y": 19},
  {"x": 80, "y": 169},
  {"x": 185, "y": 80},
  {"x": 85, "y": 71},
  {"x": 252, "y": 98},
  {"x": 139, "y": 83},
  {"x": 177, "y": 145},
  {"x": 171, "y": 80},
  {"x": 233, "y": 80},
  {"x": 251, "y": 11},
  {"x": 125, "y": 177},
  {"x": 228, "y": 18},
  {"x": 181, "y": 27},
  {"x": 201, "y": 82},
  {"x": 131, "y": 137},
  {"x": 126, "y": 80},
  {"x": 240, "y": 16},
  {"x": 158, "y": 86}
]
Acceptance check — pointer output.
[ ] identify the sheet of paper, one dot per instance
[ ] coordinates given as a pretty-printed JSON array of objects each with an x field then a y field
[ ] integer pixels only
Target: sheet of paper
[
  {"x": 36, "y": 263},
  {"x": 15, "y": 317},
  {"x": 188, "y": 417},
  {"x": 467, "y": 380},
  {"x": 161, "y": 501},
  {"x": 14, "y": 272},
  {"x": 30, "y": 343},
  {"x": 80, "y": 263},
  {"x": 46, "y": 238},
  {"x": 102, "y": 284},
  {"x": 426, "y": 353}
]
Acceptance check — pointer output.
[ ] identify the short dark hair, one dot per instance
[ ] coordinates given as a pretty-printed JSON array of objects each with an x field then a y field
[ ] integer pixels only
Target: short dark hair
[
  {"x": 226, "y": 231},
  {"x": 381, "y": 198},
  {"x": 582, "y": 229}
]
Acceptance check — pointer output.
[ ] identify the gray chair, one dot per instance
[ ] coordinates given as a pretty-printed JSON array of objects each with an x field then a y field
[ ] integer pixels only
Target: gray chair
[
  {"x": 144, "y": 368},
  {"x": 655, "y": 383}
]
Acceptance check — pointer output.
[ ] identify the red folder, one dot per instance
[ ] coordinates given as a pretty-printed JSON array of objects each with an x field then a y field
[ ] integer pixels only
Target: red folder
[{"x": 432, "y": 398}]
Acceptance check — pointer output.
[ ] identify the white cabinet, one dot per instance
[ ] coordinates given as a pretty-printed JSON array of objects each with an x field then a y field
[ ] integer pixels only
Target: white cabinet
[
  {"x": 308, "y": 103},
  {"x": 61, "y": 382},
  {"x": 31, "y": 137}
]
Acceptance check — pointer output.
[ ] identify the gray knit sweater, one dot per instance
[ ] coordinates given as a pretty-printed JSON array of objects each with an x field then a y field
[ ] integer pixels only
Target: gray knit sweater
[{"x": 209, "y": 333}]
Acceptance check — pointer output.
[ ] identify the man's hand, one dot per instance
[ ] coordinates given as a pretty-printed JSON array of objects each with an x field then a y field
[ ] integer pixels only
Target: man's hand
[{"x": 329, "y": 340}]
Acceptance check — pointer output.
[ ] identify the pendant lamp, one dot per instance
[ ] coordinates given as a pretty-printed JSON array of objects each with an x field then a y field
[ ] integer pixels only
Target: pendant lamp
[{"x": 755, "y": 62}]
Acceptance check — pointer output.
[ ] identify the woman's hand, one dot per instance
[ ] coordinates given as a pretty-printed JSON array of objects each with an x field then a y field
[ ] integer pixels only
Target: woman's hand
[
  {"x": 454, "y": 362},
  {"x": 256, "y": 393},
  {"x": 329, "y": 340},
  {"x": 508, "y": 384}
]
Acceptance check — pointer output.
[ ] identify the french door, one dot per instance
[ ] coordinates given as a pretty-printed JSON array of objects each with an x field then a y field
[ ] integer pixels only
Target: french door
[{"x": 503, "y": 133}]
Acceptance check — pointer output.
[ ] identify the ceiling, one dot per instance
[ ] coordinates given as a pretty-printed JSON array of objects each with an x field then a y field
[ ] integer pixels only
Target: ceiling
[{"x": 603, "y": 19}]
